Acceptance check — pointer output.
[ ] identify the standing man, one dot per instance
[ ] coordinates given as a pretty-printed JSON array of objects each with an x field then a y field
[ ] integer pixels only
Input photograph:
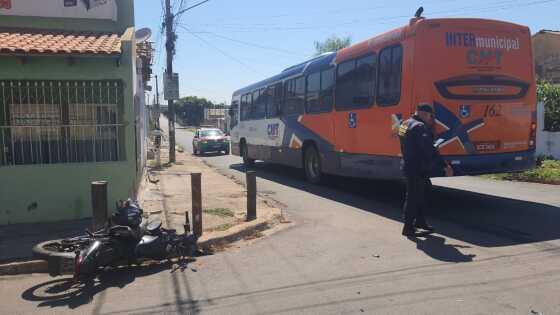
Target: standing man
[{"x": 420, "y": 160}]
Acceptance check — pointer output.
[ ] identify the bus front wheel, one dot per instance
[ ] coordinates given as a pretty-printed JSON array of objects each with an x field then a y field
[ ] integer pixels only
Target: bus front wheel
[
  {"x": 312, "y": 165},
  {"x": 245, "y": 154}
]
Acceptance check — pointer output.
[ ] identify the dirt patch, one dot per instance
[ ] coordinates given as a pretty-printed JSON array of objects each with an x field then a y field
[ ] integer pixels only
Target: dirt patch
[{"x": 223, "y": 199}]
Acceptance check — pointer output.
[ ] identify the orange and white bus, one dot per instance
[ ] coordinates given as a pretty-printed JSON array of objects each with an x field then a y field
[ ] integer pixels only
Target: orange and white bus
[{"x": 339, "y": 113}]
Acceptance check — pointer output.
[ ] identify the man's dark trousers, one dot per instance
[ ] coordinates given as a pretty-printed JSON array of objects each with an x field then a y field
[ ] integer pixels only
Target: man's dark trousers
[{"x": 417, "y": 195}]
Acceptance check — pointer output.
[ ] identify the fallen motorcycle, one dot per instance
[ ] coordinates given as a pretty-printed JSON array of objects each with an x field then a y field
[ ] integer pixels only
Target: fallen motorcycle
[{"x": 126, "y": 239}]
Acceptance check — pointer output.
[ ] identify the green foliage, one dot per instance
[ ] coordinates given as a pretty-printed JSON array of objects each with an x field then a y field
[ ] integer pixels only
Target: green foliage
[
  {"x": 223, "y": 227},
  {"x": 550, "y": 95},
  {"x": 547, "y": 172},
  {"x": 190, "y": 109},
  {"x": 333, "y": 43}
]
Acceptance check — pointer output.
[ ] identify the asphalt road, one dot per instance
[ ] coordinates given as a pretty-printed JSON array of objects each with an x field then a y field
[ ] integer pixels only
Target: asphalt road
[{"x": 496, "y": 251}]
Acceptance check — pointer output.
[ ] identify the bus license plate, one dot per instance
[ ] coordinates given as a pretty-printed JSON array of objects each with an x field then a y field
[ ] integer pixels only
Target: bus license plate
[{"x": 487, "y": 145}]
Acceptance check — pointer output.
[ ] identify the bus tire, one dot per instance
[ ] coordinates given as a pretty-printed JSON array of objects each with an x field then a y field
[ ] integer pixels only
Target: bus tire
[
  {"x": 245, "y": 154},
  {"x": 312, "y": 165}
]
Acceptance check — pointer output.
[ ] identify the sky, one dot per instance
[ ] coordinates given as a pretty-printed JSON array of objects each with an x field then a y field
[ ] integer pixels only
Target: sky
[{"x": 224, "y": 45}]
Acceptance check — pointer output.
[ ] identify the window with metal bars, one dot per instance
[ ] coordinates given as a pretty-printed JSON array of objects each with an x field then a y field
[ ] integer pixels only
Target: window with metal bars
[{"x": 48, "y": 122}]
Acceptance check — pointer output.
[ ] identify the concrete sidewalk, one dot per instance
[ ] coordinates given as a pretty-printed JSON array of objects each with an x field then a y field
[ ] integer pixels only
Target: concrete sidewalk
[
  {"x": 166, "y": 192},
  {"x": 532, "y": 192}
]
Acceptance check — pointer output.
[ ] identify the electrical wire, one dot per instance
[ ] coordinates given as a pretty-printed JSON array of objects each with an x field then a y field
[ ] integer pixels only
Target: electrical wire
[
  {"x": 277, "y": 50},
  {"x": 499, "y": 5},
  {"x": 220, "y": 50}
]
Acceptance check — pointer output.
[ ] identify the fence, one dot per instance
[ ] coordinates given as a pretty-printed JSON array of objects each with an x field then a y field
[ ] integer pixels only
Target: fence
[
  {"x": 548, "y": 142},
  {"x": 47, "y": 122}
]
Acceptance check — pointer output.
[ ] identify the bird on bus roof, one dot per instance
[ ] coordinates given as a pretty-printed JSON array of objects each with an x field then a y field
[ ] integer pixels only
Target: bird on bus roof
[{"x": 419, "y": 12}]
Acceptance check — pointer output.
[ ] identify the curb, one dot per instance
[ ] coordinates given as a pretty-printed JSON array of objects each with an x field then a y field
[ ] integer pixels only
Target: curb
[{"x": 24, "y": 267}]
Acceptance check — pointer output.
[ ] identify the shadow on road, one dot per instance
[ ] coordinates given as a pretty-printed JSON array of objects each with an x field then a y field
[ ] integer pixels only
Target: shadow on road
[
  {"x": 435, "y": 247},
  {"x": 479, "y": 219},
  {"x": 67, "y": 293}
]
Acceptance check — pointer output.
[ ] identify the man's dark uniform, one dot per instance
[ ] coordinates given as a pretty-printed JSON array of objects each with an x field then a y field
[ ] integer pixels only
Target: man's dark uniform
[{"x": 421, "y": 160}]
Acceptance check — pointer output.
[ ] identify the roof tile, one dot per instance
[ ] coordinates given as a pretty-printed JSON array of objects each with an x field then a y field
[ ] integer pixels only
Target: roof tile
[{"x": 52, "y": 42}]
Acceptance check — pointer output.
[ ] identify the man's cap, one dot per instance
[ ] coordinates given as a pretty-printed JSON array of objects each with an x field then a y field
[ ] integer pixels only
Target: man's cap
[{"x": 425, "y": 108}]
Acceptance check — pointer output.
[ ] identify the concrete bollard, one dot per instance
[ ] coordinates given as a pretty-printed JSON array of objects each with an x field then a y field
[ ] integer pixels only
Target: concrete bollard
[
  {"x": 251, "y": 178},
  {"x": 99, "y": 204},
  {"x": 196, "y": 190}
]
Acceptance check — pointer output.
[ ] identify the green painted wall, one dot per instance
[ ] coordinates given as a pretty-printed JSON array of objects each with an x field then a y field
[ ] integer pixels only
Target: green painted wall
[{"x": 39, "y": 193}]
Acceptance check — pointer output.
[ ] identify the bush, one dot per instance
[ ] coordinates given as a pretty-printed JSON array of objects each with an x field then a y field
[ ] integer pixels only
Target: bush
[
  {"x": 550, "y": 96},
  {"x": 543, "y": 157},
  {"x": 548, "y": 172}
]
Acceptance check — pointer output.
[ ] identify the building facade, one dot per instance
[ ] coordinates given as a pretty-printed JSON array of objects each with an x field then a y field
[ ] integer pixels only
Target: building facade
[
  {"x": 546, "y": 48},
  {"x": 68, "y": 114}
]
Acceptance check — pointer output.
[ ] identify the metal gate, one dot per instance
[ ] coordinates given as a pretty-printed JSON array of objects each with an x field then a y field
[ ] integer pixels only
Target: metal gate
[{"x": 47, "y": 122}]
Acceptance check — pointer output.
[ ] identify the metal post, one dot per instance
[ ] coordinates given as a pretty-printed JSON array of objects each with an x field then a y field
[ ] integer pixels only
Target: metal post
[
  {"x": 251, "y": 178},
  {"x": 99, "y": 204},
  {"x": 196, "y": 190}
]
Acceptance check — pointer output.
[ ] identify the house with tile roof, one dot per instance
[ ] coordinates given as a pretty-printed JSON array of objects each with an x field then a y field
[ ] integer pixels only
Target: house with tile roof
[
  {"x": 68, "y": 82},
  {"x": 546, "y": 52}
]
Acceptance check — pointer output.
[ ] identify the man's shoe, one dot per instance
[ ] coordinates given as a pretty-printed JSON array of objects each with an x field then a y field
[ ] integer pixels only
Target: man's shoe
[
  {"x": 409, "y": 231},
  {"x": 425, "y": 227}
]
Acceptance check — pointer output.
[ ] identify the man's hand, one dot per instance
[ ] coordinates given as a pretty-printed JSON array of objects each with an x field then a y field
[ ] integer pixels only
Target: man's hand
[{"x": 448, "y": 170}]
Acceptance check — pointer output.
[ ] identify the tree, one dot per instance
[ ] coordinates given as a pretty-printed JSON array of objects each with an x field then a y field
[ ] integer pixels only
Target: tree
[
  {"x": 550, "y": 96},
  {"x": 190, "y": 109},
  {"x": 332, "y": 43}
]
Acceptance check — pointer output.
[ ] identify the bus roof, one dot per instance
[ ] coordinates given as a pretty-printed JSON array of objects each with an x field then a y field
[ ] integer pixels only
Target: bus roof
[
  {"x": 475, "y": 21},
  {"x": 318, "y": 62},
  {"x": 386, "y": 38}
]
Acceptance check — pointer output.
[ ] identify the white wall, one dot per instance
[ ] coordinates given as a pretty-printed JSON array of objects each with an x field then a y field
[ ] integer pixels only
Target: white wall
[
  {"x": 548, "y": 143},
  {"x": 106, "y": 10}
]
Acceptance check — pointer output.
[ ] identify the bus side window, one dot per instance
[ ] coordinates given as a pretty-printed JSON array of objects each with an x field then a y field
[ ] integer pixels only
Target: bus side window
[
  {"x": 244, "y": 108},
  {"x": 249, "y": 106},
  {"x": 390, "y": 73},
  {"x": 312, "y": 92},
  {"x": 277, "y": 100},
  {"x": 254, "y": 103},
  {"x": 295, "y": 92},
  {"x": 355, "y": 83},
  {"x": 364, "y": 89},
  {"x": 260, "y": 105},
  {"x": 271, "y": 109},
  {"x": 345, "y": 84},
  {"x": 326, "y": 98}
]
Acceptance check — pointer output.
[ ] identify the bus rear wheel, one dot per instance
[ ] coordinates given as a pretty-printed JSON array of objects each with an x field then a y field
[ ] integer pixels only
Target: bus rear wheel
[
  {"x": 245, "y": 154},
  {"x": 312, "y": 165}
]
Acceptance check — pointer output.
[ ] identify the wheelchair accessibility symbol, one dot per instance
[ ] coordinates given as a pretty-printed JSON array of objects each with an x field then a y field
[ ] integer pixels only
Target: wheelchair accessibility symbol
[{"x": 352, "y": 120}]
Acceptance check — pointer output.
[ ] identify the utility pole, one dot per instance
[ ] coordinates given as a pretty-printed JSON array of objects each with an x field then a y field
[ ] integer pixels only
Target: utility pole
[
  {"x": 156, "y": 104},
  {"x": 170, "y": 48}
]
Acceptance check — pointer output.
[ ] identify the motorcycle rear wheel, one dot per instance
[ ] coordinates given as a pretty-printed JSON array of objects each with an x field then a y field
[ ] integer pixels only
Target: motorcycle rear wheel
[{"x": 65, "y": 248}]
